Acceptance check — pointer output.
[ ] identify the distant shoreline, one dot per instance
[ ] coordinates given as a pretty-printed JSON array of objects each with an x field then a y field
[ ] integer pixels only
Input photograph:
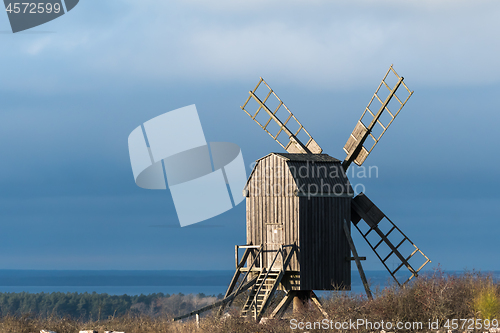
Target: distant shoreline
[{"x": 136, "y": 282}]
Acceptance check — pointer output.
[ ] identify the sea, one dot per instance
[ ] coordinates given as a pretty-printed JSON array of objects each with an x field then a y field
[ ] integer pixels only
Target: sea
[{"x": 137, "y": 282}]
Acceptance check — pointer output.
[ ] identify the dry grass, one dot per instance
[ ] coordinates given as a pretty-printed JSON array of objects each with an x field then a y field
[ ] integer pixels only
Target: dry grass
[
  {"x": 437, "y": 296},
  {"x": 142, "y": 324}
]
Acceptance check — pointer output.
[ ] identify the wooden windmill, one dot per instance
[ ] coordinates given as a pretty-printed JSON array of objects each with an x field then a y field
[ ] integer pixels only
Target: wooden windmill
[{"x": 300, "y": 206}]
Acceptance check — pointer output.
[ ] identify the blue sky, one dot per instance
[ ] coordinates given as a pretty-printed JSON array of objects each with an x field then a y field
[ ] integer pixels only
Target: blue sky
[{"x": 72, "y": 90}]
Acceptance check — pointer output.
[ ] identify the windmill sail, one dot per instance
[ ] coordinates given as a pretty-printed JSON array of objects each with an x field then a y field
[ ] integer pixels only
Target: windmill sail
[
  {"x": 367, "y": 132},
  {"x": 278, "y": 121},
  {"x": 400, "y": 251}
]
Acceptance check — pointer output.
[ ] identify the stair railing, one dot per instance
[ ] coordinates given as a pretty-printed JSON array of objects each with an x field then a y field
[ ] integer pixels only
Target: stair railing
[
  {"x": 280, "y": 251},
  {"x": 246, "y": 274}
]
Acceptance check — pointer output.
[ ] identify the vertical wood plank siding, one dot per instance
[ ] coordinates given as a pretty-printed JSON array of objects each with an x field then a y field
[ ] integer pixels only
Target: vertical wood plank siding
[{"x": 314, "y": 223}]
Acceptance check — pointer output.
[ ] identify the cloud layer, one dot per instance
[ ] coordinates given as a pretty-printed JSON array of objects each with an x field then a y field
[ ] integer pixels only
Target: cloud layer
[{"x": 317, "y": 43}]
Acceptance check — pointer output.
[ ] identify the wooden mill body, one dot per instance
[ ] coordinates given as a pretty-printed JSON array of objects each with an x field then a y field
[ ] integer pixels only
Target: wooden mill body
[{"x": 302, "y": 200}]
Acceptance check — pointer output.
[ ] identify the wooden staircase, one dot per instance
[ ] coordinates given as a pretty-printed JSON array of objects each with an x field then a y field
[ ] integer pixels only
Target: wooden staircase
[
  {"x": 261, "y": 292},
  {"x": 261, "y": 281}
]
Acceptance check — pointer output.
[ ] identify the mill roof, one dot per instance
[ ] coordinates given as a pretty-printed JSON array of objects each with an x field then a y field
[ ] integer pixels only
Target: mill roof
[
  {"x": 307, "y": 172},
  {"x": 304, "y": 157}
]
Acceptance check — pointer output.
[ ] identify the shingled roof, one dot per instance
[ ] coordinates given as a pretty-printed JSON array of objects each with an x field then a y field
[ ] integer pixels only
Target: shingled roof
[
  {"x": 310, "y": 171},
  {"x": 304, "y": 157}
]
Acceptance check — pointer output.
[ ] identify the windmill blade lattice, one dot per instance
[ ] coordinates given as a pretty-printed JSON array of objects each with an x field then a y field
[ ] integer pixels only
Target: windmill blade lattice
[
  {"x": 288, "y": 129},
  {"x": 372, "y": 126},
  {"x": 363, "y": 209}
]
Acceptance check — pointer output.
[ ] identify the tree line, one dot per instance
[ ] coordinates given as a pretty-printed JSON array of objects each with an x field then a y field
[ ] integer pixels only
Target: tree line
[{"x": 94, "y": 306}]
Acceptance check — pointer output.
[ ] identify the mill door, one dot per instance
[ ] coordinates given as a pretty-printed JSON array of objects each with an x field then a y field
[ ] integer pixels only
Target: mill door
[{"x": 274, "y": 240}]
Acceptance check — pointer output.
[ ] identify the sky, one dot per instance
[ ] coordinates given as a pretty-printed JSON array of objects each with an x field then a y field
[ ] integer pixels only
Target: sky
[{"x": 72, "y": 90}]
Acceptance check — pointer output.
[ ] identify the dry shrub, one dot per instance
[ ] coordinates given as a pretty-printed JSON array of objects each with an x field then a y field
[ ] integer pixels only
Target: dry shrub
[
  {"x": 27, "y": 324},
  {"x": 242, "y": 325},
  {"x": 434, "y": 296}
]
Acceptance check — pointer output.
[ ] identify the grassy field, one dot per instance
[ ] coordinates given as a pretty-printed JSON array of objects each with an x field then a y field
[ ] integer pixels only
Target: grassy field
[{"x": 434, "y": 298}]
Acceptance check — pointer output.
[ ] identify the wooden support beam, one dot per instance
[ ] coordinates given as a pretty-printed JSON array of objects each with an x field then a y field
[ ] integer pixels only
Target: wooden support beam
[
  {"x": 223, "y": 301},
  {"x": 283, "y": 305},
  {"x": 236, "y": 275},
  {"x": 244, "y": 278},
  {"x": 352, "y": 258},
  {"x": 233, "y": 282},
  {"x": 358, "y": 262},
  {"x": 239, "y": 264},
  {"x": 318, "y": 304}
]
